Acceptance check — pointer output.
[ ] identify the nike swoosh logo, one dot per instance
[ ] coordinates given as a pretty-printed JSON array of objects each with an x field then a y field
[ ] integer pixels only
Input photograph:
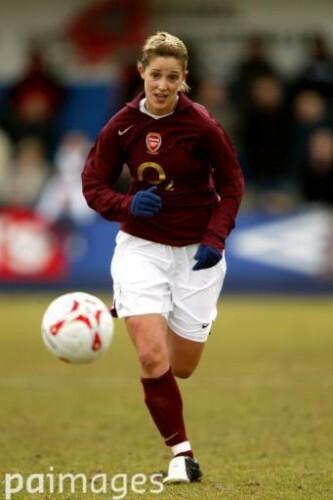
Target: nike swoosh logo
[
  {"x": 170, "y": 437},
  {"x": 122, "y": 132}
]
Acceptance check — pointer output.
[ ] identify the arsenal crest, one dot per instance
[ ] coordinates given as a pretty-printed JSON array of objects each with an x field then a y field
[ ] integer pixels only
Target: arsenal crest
[{"x": 153, "y": 142}]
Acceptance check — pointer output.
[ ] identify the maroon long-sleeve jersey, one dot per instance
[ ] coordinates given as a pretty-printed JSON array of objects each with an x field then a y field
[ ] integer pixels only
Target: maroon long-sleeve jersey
[{"x": 190, "y": 159}]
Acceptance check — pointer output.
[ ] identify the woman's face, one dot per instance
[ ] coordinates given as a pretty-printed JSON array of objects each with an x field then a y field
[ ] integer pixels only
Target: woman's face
[{"x": 163, "y": 79}]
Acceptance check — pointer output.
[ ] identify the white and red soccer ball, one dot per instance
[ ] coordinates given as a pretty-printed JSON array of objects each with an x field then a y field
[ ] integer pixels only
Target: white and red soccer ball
[{"x": 77, "y": 327}]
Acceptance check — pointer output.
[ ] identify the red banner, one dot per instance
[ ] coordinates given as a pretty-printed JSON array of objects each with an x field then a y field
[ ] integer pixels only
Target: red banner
[
  {"x": 103, "y": 26},
  {"x": 29, "y": 248}
]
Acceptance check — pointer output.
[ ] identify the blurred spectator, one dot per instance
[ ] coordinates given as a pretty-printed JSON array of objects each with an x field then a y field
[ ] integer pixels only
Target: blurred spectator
[
  {"x": 131, "y": 83},
  {"x": 317, "y": 74},
  {"x": 62, "y": 200},
  {"x": 34, "y": 102},
  {"x": 265, "y": 142},
  {"x": 309, "y": 112},
  {"x": 265, "y": 135},
  {"x": 5, "y": 159},
  {"x": 27, "y": 173},
  {"x": 215, "y": 97},
  {"x": 254, "y": 63},
  {"x": 316, "y": 179}
]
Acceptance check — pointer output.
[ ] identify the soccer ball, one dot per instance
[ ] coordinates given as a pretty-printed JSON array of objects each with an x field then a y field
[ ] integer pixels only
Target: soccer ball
[{"x": 77, "y": 327}]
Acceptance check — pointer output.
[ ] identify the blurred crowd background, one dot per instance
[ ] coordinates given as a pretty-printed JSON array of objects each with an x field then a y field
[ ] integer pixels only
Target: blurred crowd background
[
  {"x": 264, "y": 70},
  {"x": 280, "y": 120}
]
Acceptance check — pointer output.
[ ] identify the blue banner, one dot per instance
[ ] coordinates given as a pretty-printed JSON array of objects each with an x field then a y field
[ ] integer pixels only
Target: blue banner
[{"x": 273, "y": 254}]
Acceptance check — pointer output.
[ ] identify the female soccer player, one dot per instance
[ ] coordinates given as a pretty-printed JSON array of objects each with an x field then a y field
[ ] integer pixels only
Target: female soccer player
[{"x": 168, "y": 266}]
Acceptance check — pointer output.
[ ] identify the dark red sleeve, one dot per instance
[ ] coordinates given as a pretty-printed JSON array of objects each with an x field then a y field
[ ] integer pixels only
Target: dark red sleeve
[
  {"x": 229, "y": 185},
  {"x": 101, "y": 171}
]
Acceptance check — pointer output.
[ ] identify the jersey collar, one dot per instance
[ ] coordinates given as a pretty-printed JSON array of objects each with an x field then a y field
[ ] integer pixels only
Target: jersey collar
[{"x": 183, "y": 101}]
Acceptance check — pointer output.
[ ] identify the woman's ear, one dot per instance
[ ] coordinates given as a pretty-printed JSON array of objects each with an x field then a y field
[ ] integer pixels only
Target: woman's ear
[
  {"x": 185, "y": 87},
  {"x": 141, "y": 70}
]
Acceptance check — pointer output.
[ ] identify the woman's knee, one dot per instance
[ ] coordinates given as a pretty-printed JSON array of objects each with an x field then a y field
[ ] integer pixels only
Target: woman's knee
[
  {"x": 154, "y": 362},
  {"x": 150, "y": 343}
]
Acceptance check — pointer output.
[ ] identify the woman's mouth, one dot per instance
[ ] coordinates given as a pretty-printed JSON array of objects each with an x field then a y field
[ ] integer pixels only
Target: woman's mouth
[{"x": 160, "y": 97}]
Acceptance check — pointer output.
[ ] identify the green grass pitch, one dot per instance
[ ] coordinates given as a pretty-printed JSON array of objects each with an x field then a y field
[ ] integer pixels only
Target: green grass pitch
[{"x": 259, "y": 408}]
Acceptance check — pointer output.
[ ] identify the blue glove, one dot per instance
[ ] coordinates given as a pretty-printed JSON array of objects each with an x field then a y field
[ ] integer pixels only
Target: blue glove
[
  {"x": 146, "y": 203},
  {"x": 206, "y": 257}
]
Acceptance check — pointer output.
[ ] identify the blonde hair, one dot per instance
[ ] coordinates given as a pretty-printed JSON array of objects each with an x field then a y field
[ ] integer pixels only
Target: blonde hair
[{"x": 163, "y": 44}]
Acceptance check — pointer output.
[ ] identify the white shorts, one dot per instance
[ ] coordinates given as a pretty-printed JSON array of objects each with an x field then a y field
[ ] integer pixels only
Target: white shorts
[{"x": 150, "y": 278}]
